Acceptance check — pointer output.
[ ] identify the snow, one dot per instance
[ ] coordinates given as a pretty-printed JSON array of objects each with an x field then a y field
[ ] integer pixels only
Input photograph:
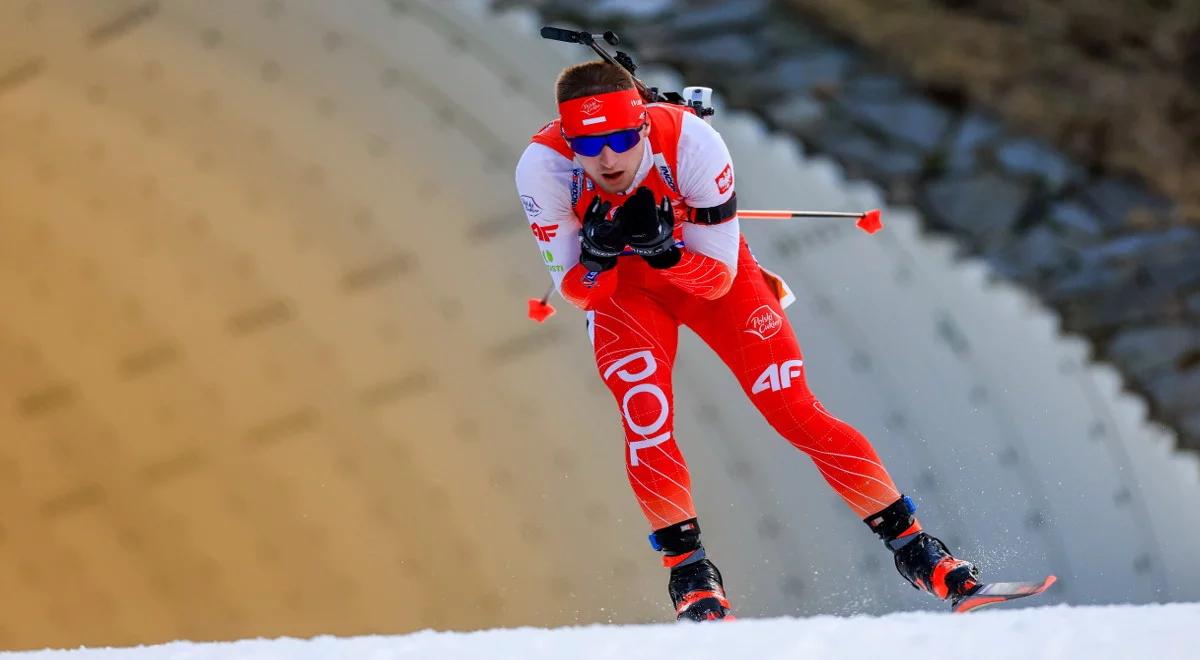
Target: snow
[{"x": 1093, "y": 632}]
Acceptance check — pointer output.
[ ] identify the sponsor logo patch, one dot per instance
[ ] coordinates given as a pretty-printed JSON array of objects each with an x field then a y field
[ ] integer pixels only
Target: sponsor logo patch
[
  {"x": 777, "y": 377},
  {"x": 724, "y": 180},
  {"x": 764, "y": 323},
  {"x": 531, "y": 206},
  {"x": 664, "y": 171},
  {"x": 544, "y": 234},
  {"x": 576, "y": 185},
  {"x": 637, "y": 368},
  {"x": 591, "y": 106}
]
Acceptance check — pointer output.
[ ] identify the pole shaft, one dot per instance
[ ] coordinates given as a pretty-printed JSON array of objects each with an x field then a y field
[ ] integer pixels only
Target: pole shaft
[{"x": 763, "y": 214}]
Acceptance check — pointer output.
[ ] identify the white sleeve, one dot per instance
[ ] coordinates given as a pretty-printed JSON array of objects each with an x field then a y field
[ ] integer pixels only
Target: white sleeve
[
  {"x": 705, "y": 172},
  {"x": 544, "y": 186}
]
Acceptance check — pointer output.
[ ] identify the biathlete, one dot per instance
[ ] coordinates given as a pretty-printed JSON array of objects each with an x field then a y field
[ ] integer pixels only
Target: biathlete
[{"x": 615, "y": 174}]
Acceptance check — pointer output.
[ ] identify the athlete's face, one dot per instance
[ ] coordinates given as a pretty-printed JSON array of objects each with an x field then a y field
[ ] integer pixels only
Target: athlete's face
[{"x": 613, "y": 171}]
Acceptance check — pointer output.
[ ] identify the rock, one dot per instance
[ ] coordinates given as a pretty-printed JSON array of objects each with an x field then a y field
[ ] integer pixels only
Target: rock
[
  {"x": 1114, "y": 305},
  {"x": 986, "y": 207},
  {"x": 973, "y": 132},
  {"x": 1142, "y": 352},
  {"x": 1075, "y": 221},
  {"x": 799, "y": 74},
  {"x": 875, "y": 86},
  {"x": 1134, "y": 279},
  {"x": 553, "y": 10},
  {"x": 1114, "y": 200},
  {"x": 605, "y": 11},
  {"x": 1085, "y": 284},
  {"x": 1034, "y": 256},
  {"x": 787, "y": 37},
  {"x": 797, "y": 114},
  {"x": 1175, "y": 392},
  {"x": 1190, "y": 426},
  {"x": 860, "y": 154},
  {"x": 1180, "y": 271},
  {"x": 719, "y": 18},
  {"x": 910, "y": 120},
  {"x": 1139, "y": 248},
  {"x": 720, "y": 53},
  {"x": 864, "y": 157},
  {"x": 819, "y": 67},
  {"x": 1032, "y": 158}
]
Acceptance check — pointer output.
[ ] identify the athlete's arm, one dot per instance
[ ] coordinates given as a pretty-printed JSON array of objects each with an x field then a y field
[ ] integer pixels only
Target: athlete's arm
[
  {"x": 705, "y": 170},
  {"x": 543, "y": 183}
]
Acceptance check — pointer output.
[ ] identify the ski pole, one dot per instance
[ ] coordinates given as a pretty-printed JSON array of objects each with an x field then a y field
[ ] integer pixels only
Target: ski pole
[{"x": 868, "y": 221}]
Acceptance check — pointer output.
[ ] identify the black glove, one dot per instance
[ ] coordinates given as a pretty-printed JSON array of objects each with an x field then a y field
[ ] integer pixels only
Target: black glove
[
  {"x": 600, "y": 241},
  {"x": 650, "y": 228}
]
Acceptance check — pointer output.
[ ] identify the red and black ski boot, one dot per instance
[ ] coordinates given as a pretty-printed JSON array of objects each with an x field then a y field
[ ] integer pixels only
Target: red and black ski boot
[
  {"x": 695, "y": 586},
  {"x": 928, "y": 565},
  {"x": 922, "y": 559}
]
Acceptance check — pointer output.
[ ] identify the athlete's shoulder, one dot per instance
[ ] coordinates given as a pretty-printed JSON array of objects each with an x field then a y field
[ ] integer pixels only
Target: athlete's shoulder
[
  {"x": 705, "y": 166},
  {"x": 666, "y": 117},
  {"x": 697, "y": 137},
  {"x": 669, "y": 109},
  {"x": 541, "y": 159},
  {"x": 543, "y": 180},
  {"x": 550, "y": 135}
]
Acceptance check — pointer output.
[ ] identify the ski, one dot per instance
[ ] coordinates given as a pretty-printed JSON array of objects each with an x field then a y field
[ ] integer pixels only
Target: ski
[{"x": 998, "y": 592}]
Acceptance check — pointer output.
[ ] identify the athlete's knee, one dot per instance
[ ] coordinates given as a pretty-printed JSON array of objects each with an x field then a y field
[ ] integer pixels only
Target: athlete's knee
[{"x": 799, "y": 417}]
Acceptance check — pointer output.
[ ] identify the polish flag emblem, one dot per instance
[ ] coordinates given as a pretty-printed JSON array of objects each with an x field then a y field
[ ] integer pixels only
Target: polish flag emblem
[{"x": 590, "y": 106}]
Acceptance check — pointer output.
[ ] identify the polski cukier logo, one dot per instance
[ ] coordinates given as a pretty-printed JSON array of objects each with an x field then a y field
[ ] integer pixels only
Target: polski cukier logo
[{"x": 764, "y": 322}]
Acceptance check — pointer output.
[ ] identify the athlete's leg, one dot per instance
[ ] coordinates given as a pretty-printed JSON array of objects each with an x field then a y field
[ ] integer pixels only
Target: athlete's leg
[
  {"x": 749, "y": 331},
  {"x": 634, "y": 337}
]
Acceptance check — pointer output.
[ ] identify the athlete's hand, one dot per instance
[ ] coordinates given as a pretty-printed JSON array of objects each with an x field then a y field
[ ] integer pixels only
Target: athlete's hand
[
  {"x": 650, "y": 228},
  {"x": 601, "y": 240}
]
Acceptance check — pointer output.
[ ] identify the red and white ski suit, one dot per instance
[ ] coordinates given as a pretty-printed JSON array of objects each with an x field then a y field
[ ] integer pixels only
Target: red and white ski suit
[{"x": 717, "y": 289}]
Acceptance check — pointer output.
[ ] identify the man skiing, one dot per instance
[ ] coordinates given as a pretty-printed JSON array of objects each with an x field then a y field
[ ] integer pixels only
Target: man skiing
[{"x": 614, "y": 175}]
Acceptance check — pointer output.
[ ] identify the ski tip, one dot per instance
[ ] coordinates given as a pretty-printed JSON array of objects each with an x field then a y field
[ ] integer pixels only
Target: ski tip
[{"x": 988, "y": 594}]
